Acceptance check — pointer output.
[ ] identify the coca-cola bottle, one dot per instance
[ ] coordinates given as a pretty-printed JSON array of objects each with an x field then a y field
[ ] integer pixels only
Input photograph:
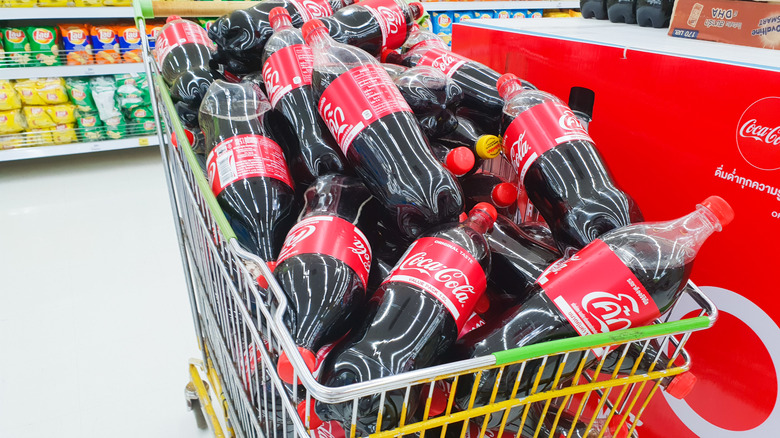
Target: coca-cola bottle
[
  {"x": 387, "y": 252},
  {"x": 626, "y": 278},
  {"x": 241, "y": 35},
  {"x": 481, "y": 102},
  {"x": 246, "y": 169},
  {"x": 486, "y": 187},
  {"x": 560, "y": 168},
  {"x": 413, "y": 318},
  {"x": 380, "y": 137},
  {"x": 373, "y": 25},
  {"x": 433, "y": 97},
  {"x": 287, "y": 68},
  {"x": 394, "y": 70},
  {"x": 518, "y": 259},
  {"x": 468, "y": 134},
  {"x": 324, "y": 264},
  {"x": 459, "y": 161}
]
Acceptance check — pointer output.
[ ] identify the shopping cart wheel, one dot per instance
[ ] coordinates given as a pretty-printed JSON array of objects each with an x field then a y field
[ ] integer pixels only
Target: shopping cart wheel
[{"x": 194, "y": 405}]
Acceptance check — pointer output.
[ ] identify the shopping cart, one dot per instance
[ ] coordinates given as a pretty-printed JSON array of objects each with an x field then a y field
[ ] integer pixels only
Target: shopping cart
[{"x": 532, "y": 391}]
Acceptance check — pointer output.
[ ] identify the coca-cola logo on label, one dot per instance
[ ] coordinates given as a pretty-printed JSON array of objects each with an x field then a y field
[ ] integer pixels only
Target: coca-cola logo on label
[
  {"x": 335, "y": 119},
  {"x": 569, "y": 122},
  {"x": 758, "y": 134},
  {"x": 453, "y": 279},
  {"x": 316, "y": 9},
  {"x": 519, "y": 150},
  {"x": 610, "y": 309},
  {"x": 295, "y": 237},
  {"x": 393, "y": 18},
  {"x": 360, "y": 249},
  {"x": 271, "y": 79}
]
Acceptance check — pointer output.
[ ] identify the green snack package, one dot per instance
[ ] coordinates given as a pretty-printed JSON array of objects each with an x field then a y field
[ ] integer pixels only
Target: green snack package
[
  {"x": 17, "y": 47},
  {"x": 90, "y": 126},
  {"x": 139, "y": 112},
  {"x": 146, "y": 126},
  {"x": 80, "y": 94},
  {"x": 43, "y": 44},
  {"x": 117, "y": 131},
  {"x": 103, "y": 93},
  {"x": 137, "y": 80}
]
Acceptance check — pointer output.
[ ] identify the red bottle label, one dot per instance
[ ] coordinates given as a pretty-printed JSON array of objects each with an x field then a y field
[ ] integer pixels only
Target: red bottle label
[
  {"x": 474, "y": 322},
  {"x": 176, "y": 34},
  {"x": 539, "y": 129},
  {"x": 446, "y": 271},
  {"x": 358, "y": 98},
  {"x": 433, "y": 43},
  {"x": 597, "y": 293},
  {"x": 311, "y": 9},
  {"x": 246, "y": 156},
  {"x": 286, "y": 70},
  {"x": 391, "y": 19},
  {"x": 443, "y": 60},
  {"x": 332, "y": 236}
]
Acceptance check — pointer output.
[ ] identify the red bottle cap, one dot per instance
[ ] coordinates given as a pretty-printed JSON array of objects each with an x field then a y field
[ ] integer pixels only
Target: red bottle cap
[
  {"x": 309, "y": 29},
  {"x": 417, "y": 10},
  {"x": 279, "y": 16},
  {"x": 504, "y": 194},
  {"x": 285, "y": 368},
  {"x": 261, "y": 280},
  {"x": 483, "y": 304},
  {"x": 720, "y": 208},
  {"x": 314, "y": 420},
  {"x": 172, "y": 18},
  {"x": 488, "y": 209},
  {"x": 190, "y": 137},
  {"x": 439, "y": 400},
  {"x": 463, "y": 217},
  {"x": 460, "y": 160},
  {"x": 681, "y": 385},
  {"x": 506, "y": 77}
]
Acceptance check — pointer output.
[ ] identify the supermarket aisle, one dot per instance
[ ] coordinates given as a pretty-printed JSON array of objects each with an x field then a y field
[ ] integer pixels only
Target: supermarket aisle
[{"x": 95, "y": 327}]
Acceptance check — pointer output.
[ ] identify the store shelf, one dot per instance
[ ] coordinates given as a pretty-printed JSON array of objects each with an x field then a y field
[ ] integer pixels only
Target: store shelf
[
  {"x": 77, "y": 148},
  {"x": 71, "y": 70},
  {"x": 488, "y": 5},
  {"x": 66, "y": 13}
]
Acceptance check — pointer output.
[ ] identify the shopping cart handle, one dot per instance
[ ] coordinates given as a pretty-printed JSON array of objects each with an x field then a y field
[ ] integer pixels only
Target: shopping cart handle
[{"x": 150, "y": 9}]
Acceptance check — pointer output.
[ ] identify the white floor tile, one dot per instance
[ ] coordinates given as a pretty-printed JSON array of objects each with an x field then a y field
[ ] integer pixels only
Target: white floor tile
[{"x": 95, "y": 324}]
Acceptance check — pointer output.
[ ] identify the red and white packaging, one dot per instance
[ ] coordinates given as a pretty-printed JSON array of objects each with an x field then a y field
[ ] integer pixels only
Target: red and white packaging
[
  {"x": 442, "y": 60},
  {"x": 391, "y": 19},
  {"x": 356, "y": 99},
  {"x": 177, "y": 33},
  {"x": 446, "y": 271},
  {"x": 311, "y": 9},
  {"x": 333, "y": 236},
  {"x": 246, "y": 156},
  {"x": 539, "y": 129},
  {"x": 287, "y": 69}
]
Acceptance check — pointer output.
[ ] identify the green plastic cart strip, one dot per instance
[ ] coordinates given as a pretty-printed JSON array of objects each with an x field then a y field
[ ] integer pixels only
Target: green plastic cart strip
[
  {"x": 601, "y": 339},
  {"x": 143, "y": 9},
  {"x": 183, "y": 142}
]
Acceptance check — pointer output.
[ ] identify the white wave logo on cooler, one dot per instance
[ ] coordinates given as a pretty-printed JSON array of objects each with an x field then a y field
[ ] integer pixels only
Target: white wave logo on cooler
[
  {"x": 608, "y": 309},
  {"x": 295, "y": 237},
  {"x": 452, "y": 278},
  {"x": 752, "y": 129}
]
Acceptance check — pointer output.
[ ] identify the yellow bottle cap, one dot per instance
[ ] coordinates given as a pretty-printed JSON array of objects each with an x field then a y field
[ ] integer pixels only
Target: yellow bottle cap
[{"x": 488, "y": 146}]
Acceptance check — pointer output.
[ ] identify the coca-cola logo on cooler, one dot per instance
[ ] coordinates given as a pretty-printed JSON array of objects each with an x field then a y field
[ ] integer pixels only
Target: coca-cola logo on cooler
[{"x": 758, "y": 134}]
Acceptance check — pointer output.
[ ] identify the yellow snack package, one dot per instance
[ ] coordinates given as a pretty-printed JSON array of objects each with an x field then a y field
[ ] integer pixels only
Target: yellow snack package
[
  {"x": 37, "y": 117},
  {"x": 9, "y": 98},
  {"x": 21, "y": 3},
  {"x": 52, "y": 90},
  {"x": 39, "y": 137},
  {"x": 12, "y": 122},
  {"x": 88, "y": 3},
  {"x": 53, "y": 3},
  {"x": 117, "y": 2},
  {"x": 11, "y": 141},
  {"x": 64, "y": 134},
  {"x": 28, "y": 93},
  {"x": 62, "y": 114}
]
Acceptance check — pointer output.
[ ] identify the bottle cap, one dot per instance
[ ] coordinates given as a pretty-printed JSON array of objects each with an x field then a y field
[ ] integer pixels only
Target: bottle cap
[
  {"x": 506, "y": 77},
  {"x": 504, "y": 194},
  {"x": 310, "y": 27},
  {"x": 720, "y": 208},
  {"x": 681, "y": 385},
  {"x": 285, "y": 368},
  {"x": 314, "y": 420},
  {"x": 483, "y": 304},
  {"x": 487, "y": 208},
  {"x": 190, "y": 137},
  {"x": 261, "y": 280},
  {"x": 417, "y": 10},
  {"x": 488, "y": 146},
  {"x": 172, "y": 18},
  {"x": 463, "y": 217},
  {"x": 439, "y": 400},
  {"x": 460, "y": 160},
  {"x": 278, "y": 17}
]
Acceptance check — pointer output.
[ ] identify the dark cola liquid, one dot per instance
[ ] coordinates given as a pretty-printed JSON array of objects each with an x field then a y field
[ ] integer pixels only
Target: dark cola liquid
[
  {"x": 433, "y": 102},
  {"x": 537, "y": 319},
  {"x": 325, "y": 293},
  {"x": 184, "y": 58},
  {"x": 573, "y": 191},
  {"x": 481, "y": 102},
  {"x": 479, "y": 187},
  {"x": 190, "y": 86},
  {"x": 405, "y": 328},
  {"x": 310, "y": 149},
  {"x": 517, "y": 259},
  {"x": 356, "y": 26},
  {"x": 260, "y": 210},
  {"x": 394, "y": 160}
]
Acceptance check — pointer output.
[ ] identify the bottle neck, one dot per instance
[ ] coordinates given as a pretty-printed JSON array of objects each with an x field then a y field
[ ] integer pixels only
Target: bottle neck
[
  {"x": 281, "y": 22},
  {"x": 479, "y": 221},
  {"x": 511, "y": 89},
  {"x": 690, "y": 232},
  {"x": 318, "y": 37}
]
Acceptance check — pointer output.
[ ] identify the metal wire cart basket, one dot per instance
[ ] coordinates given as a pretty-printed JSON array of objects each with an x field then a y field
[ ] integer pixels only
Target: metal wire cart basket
[{"x": 554, "y": 389}]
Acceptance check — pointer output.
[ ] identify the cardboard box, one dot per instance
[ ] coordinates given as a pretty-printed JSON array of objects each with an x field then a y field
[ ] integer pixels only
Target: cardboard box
[
  {"x": 676, "y": 121},
  {"x": 744, "y": 23}
]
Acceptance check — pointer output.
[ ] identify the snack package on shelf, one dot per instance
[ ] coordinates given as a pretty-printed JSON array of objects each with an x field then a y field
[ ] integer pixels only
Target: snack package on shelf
[
  {"x": 16, "y": 47},
  {"x": 76, "y": 43},
  {"x": 441, "y": 25},
  {"x": 63, "y": 134},
  {"x": 90, "y": 128},
  {"x": 53, "y": 3},
  {"x": 105, "y": 45},
  {"x": 28, "y": 93},
  {"x": 88, "y": 3},
  {"x": 62, "y": 114},
  {"x": 484, "y": 14},
  {"x": 461, "y": 16},
  {"x": 37, "y": 137},
  {"x": 139, "y": 112},
  {"x": 103, "y": 93},
  {"x": 81, "y": 94},
  {"x": 117, "y": 2},
  {"x": 535, "y": 13},
  {"x": 116, "y": 130},
  {"x": 51, "y": 90},
  {"x": 9, "y": 98},
  {"x": 129, "y": 42},
  {"x": 520, "y": 13},
  {"x": 20, "y": 3},
  {"x": 44, "y": 45},
  {"x": 38, "y": 118},
  {"x": 12, "y": 122},
  {"x": 153, "y": 28}
]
